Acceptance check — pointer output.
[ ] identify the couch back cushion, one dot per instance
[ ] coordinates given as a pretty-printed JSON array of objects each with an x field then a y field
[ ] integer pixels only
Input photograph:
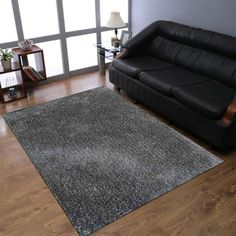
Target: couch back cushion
[{"x": 201, "y": 51}]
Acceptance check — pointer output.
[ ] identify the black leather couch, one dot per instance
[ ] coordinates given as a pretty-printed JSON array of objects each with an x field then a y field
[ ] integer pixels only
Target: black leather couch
[{"x": 187, "y": 75}]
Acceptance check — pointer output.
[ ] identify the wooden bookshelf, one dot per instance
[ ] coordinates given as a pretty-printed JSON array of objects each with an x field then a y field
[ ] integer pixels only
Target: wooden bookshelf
[
  {"x": 21, "y": 72},
  {"x": 29, "y": 73}
]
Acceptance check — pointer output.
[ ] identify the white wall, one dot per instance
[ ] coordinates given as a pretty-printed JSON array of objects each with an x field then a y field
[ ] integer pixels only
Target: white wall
[{"x": 216, "y": 15}]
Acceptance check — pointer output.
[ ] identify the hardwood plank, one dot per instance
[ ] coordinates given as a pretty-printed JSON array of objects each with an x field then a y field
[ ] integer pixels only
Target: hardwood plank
[{"x": 205, "y": 205}]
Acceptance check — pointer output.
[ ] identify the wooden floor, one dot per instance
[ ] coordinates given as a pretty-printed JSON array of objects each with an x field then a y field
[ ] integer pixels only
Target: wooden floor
[{"x": 205, "y": 205}]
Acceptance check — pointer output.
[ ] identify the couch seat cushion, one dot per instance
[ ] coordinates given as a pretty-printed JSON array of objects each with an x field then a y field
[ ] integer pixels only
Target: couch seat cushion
[
  {"x": 209, "y": 98},
  {"x": 133, "y": 66},
  {"x": 165, "y": 80}
]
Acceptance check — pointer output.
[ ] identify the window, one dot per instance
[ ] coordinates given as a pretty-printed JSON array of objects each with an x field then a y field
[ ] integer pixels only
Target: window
[
  {"x": 79, "y": 14},
  {"x": 52, "y": 57},
  {"x": 7, "y": 23},
  {"x": 39, "y": 18},
  {"x": 81, "y": 51}
]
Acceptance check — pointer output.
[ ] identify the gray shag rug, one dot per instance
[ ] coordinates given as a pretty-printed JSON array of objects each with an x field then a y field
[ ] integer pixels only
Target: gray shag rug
[{"x": 102, "y": 157}]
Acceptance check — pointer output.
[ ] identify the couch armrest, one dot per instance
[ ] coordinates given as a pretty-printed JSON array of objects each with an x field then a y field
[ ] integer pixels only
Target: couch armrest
[
  {"x": 230, "y": 113},
  {"x": 121, "y": 54},
  {"x": 138, "y": 44}
]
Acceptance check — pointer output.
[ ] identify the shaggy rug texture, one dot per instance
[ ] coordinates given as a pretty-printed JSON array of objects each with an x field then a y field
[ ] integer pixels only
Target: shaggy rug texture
[{"x": 102, "y": 157}]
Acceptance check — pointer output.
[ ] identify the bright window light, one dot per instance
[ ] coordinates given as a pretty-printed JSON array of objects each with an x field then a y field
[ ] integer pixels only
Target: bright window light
[
  {"x": 82, "y": 52},
  {"x": 52, "y": 57},
  {"x": 39, "y": 18},
  {"x": 79, "y": 14},
  {"x": 7, "y": 23}
]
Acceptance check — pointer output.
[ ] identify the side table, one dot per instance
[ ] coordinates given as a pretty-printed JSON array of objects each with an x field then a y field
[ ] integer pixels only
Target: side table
[{"x": 105, "y": 51}]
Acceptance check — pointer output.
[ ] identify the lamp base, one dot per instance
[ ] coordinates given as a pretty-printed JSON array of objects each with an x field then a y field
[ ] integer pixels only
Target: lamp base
[{"x": 115, "y": 42}]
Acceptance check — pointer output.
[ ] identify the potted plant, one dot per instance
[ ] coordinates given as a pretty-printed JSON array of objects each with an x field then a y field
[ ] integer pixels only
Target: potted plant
[{"x": 6, "y": 57}]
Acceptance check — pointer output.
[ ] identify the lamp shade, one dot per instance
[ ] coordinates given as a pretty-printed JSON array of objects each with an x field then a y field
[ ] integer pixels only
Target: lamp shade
[{"x": 115, "y": 20}]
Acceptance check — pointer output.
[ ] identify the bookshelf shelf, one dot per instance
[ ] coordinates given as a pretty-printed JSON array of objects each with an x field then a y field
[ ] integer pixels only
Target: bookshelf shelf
[
  {"x": 12, "y": 79},
  {"x": 32, "y": 74}
]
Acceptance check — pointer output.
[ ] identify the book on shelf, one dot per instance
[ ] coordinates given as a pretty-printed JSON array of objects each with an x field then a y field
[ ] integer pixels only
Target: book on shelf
[{"x": 32, "y": 73}]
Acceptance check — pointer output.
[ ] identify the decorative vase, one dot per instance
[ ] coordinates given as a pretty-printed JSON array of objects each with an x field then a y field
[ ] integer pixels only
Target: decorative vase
[{"x": 6, "y": 64}]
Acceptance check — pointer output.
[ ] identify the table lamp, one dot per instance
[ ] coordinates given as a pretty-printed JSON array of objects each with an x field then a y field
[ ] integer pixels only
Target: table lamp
[{"x": 115, "y": 21}]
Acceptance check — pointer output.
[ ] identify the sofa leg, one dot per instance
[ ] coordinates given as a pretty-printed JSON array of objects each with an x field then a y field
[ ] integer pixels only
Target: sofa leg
[{"x": 117, "y": 88}]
